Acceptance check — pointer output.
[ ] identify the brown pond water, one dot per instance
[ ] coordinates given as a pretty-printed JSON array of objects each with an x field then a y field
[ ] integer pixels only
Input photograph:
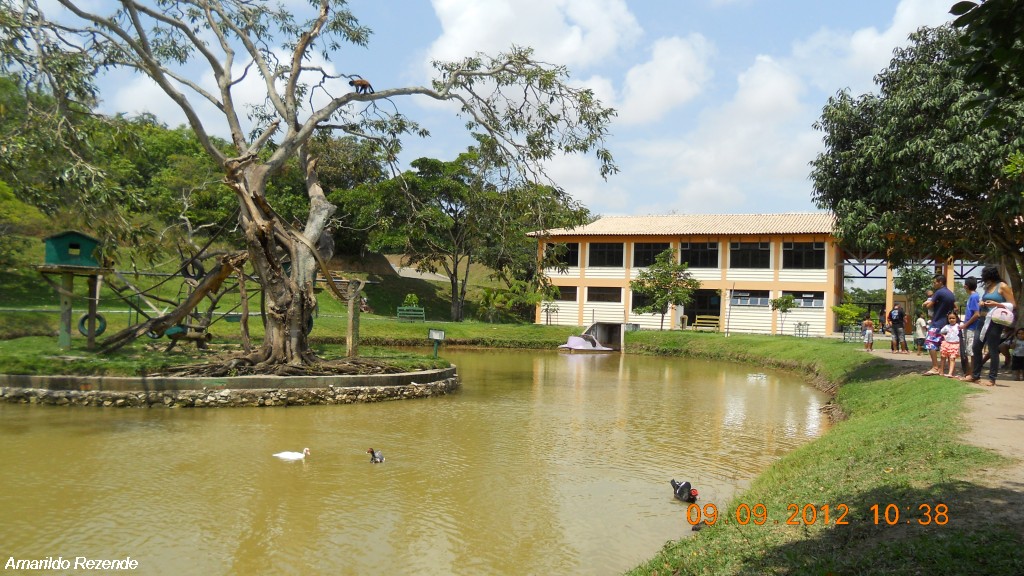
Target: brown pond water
[{"x": 542, "y": 464}]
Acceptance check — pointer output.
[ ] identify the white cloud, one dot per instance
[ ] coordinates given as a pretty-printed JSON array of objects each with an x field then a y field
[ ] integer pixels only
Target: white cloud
[
  {"x": 576, "y": 33},
  {"x": 581, "y": 178},
  {"x": 750, "y": 152},
  {"x": 675, "y": 74},
  {"x": 836, "y": 59},
  {"x": 737, "y": 152}
]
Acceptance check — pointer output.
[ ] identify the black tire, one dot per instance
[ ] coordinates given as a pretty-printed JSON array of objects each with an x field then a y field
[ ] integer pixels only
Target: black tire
[
  {"x": 83, "y": 324},
  {"x": 193, "y": 269}
]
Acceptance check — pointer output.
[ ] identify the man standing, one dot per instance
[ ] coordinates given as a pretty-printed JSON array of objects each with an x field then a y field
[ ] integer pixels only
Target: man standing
[
  {"x": 941, "y": 304},
  {"x": 970, "y": 324},
  {"x": 898, "y": 323}
]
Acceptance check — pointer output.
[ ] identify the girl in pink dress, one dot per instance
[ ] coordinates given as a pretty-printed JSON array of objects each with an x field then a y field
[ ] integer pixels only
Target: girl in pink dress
[{"x": 950, "y": 349}]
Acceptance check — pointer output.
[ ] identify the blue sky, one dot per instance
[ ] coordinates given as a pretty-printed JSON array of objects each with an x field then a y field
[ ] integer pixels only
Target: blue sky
[{"x": 716, "y": 98}]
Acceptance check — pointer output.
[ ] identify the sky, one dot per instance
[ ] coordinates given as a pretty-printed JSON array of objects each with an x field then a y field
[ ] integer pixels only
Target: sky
[{"x": 716, "y": 99}]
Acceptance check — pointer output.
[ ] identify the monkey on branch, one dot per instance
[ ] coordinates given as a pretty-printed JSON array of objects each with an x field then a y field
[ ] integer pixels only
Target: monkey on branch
[{"x": 361, "y": 86}]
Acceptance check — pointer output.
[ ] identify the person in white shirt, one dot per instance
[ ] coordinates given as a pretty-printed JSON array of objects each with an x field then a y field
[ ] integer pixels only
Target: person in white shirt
[{"x": 950, "y": 349}]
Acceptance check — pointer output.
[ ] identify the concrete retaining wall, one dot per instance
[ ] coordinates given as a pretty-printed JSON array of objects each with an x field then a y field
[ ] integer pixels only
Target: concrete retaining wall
[{"x": 224, "y": 392}]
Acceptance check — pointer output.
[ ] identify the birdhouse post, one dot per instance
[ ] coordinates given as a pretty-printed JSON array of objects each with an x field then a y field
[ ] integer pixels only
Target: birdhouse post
[{"x": 69, "y": 254}]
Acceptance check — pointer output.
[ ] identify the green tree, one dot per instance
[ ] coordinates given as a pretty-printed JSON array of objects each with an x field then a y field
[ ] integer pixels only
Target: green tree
[
  {"x": 498, "y": 304},
  {"x": 912, "y": 172},
  {"x": 856, "y": 294},
  {"x": 530, "y": 110},
  {"x": 992, "y": 30},
  {"x": 783, "y": 304},
  {"x": 510, "y": 247},
  {"x": 914, "y": 281},
  {"x": 444, "y": 231},
  {"x": 995, "y": 59},
  {"x": 665, "y": 282}
]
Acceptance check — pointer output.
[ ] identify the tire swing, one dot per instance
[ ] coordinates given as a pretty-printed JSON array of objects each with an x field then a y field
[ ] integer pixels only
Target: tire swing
[
  {"x": 193, "y": 269},
  {"x": 83, "y": 324}
]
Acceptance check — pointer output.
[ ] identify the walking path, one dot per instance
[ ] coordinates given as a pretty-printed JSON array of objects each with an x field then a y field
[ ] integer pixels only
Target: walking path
[{"x": 995, "y": 420}]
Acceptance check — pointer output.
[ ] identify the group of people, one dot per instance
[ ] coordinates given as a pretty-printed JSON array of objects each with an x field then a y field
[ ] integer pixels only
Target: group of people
[
  {"x": 981, "y": 336},
  {"x": 895, "y": 323},
  {"x": 976, "y": 337}
]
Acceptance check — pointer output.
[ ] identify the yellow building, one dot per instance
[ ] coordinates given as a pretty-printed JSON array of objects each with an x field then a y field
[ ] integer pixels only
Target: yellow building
[{"x": 741, "y": 260}]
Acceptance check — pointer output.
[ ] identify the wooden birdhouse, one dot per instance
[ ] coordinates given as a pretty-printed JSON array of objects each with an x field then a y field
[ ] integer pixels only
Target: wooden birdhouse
[{"x": 71, "y": 248}]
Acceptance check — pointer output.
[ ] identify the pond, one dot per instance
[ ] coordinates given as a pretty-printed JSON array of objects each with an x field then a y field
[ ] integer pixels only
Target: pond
[{"x": 542, "y": 463}]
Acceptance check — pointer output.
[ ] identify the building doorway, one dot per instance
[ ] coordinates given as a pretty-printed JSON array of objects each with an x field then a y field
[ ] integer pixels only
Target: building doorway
[{"x": 705, "y": 303}]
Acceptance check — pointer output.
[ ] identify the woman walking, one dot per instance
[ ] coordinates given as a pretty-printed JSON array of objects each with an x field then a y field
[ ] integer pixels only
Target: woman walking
[{"x": 995, "y": 294}]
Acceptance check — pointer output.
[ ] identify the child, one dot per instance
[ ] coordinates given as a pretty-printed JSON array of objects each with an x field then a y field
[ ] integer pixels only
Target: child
[
  {"x": 920, "y": 331},
  {"x": 869, "y": 334},
  {"x": 950, "y": 349},
  {"x": 1018, "y": 356}
]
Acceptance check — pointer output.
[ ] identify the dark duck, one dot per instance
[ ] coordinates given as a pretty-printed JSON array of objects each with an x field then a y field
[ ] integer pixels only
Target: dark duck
[
  {"x": 683, "y": 491},
  {"x": 375, "y": 456}
]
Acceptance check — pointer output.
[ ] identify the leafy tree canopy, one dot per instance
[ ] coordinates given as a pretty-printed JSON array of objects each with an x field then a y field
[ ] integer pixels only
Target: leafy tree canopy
[
  {"x": 992, "y": 31},
  {"x": 911, "y": 172}
]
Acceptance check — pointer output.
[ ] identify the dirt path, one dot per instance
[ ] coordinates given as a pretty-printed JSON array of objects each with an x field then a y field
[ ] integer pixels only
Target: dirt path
[{"x": 995, "y": 418}]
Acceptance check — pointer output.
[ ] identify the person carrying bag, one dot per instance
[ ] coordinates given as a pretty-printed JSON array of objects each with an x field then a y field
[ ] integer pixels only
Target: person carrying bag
[{"x": 997, "y": 304}]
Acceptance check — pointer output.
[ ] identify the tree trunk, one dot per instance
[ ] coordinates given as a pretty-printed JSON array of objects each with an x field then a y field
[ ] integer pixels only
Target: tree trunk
[
  {"x": 352, "y": 334},
  {"x": 285, "y": 266},
  {"x": 462, "y": 289},
  {"x": 456, "y": 307},
  {"x": 289, "y": 301}
]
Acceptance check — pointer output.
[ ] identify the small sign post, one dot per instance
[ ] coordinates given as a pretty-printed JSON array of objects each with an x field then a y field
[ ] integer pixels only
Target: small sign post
[{"x": 437, "y": 336}]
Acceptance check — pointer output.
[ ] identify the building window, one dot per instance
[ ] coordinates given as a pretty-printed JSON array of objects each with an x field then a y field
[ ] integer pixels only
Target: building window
[
  {"x": 750, "y": 298},
  {"x": 566, "y": 293},
  {"x": 808, "y": 299},
  {"x": 564, "y": 254},
  {"x": 598, "y": 294},
  {"x": 699, "y": 254},
  {"x": 803, "y": 255},
  {"x": 605, "y": 255},
  {"x": 644, "y": 253},
  {"x": 639, "y": 301},
  {"x": 750, "y": 255}
]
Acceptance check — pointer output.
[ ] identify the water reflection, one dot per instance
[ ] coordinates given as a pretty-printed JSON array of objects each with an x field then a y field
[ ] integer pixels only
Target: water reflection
[{"x": 543, "y": 463}]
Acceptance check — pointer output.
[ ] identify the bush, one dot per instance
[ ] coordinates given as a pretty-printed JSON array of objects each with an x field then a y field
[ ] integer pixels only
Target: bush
[{"x": 849, "y": 314}]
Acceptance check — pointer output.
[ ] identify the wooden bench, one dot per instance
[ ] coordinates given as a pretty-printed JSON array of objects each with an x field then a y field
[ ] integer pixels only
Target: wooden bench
[
  {"x": 853, "y": 334},
  {"x": 411, "y": 313},
  {"x": 706, "y": 323}
]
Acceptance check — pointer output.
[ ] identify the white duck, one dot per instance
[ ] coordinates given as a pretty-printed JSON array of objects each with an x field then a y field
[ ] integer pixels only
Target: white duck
[{"x": 292, "y": 456}]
